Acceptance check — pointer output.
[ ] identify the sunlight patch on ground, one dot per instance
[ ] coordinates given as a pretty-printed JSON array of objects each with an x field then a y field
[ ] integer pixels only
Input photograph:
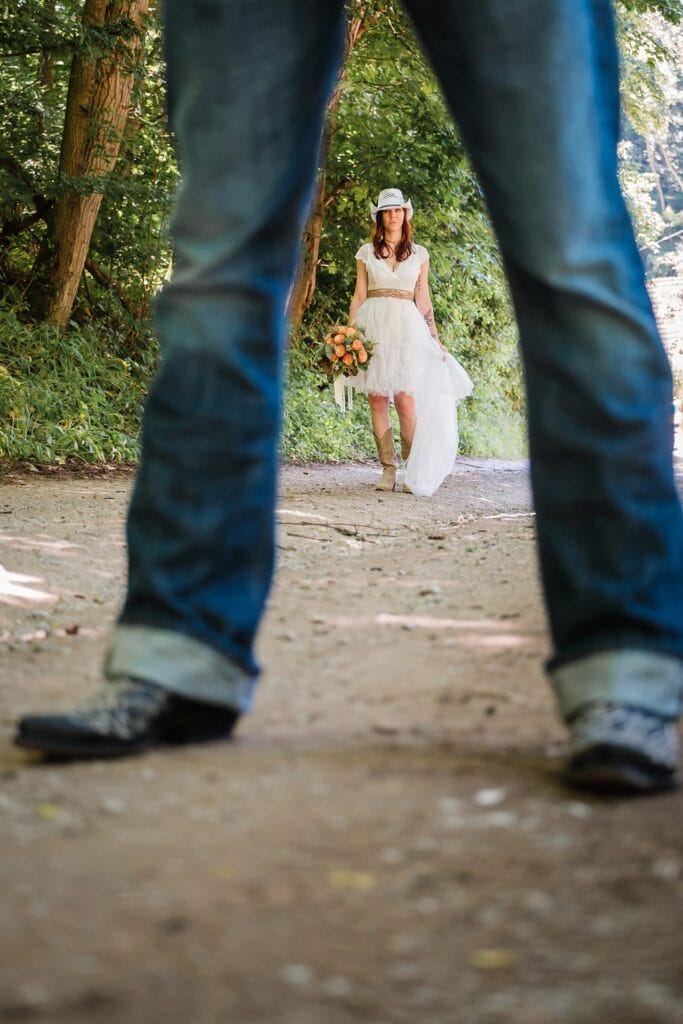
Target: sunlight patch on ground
[
  {"x": 296, "y": 516},
  {"x": 411, "y": 622},
  {"x": 18, "y": 589},
  {"x": 511, "y": 515},
  {"x": 432, "y": 622},
  {"x": 497, "y": 641},
  {"x": 39, "y": 543},
  {"x": 476, "y": 633}
]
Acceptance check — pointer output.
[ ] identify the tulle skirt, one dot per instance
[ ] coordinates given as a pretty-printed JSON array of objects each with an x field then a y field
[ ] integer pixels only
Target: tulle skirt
[
  {"x": 395, "y": 326},
  {"x": 406, "y": 358}
]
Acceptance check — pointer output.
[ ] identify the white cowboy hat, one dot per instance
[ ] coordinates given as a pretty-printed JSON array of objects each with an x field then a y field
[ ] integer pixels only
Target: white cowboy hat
[{"x": 389, "y": 197}]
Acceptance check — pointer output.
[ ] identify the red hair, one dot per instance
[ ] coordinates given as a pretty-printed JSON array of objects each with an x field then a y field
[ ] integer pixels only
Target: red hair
[{"x": 404, "y": 247}]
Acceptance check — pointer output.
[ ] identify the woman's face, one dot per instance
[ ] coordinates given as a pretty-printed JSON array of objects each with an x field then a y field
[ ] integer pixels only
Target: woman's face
[{"x": 392, "y": 219}]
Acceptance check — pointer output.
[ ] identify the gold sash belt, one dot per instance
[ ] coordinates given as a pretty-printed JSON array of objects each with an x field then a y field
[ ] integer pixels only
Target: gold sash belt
[{"x": 389, "y": 293}]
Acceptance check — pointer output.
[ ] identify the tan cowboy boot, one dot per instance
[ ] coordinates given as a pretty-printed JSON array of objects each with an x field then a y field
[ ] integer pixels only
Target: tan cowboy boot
[
  {"x": 387, "y": 456},
  {"x": 405, "y": 452}
]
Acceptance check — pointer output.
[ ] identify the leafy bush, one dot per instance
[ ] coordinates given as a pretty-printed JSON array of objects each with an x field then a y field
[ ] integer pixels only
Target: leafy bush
[
  {"x": 315, "y": 430},
  {"x": 468, "y": 287},
  {"x": 78, "y": 395},
  {"x": 68, "y": 394}
]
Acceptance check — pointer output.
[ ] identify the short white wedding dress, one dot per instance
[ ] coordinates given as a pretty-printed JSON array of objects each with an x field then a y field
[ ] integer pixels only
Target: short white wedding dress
[{"x": 407, "y": 358}]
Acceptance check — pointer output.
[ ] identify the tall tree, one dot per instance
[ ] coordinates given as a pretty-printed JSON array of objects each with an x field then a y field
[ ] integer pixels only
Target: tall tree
[
  {"x": 98, "y": 104},
  {"x": 363, "y": 15},
  {"x": 652, "y": 151},
  {"x": 386, "y": 125}
]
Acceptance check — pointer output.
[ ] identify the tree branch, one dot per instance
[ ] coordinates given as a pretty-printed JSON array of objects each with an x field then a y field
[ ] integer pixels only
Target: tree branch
[
  {"x": 667, "y": 238},
  {"x": 106, "y": 281},
  {"x": 15, "y": 225},
  {"x": 18, "y": 224},
  {"x": 663, "y": 152},
  {"x": 336, "y": 191},
  {"x": 649, "y": 148},
  {"x": 17, "y": 171}
]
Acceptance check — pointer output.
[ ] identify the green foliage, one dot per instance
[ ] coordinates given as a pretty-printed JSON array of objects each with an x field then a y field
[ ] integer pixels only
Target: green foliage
[
  {"x": 393, "y": 128},
  {"x": 671, "y": 10},
  {"x": 314, "y": 429},
  {"x": 130, "y": 245},
  {"x": 131, "y": 235},
  {"x": 651, "y": 155},
  {"x": 68, "y": 394}
]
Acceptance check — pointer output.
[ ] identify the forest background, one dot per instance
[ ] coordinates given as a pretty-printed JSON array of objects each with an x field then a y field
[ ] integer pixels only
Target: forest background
[{"x": 87, "y": 178}]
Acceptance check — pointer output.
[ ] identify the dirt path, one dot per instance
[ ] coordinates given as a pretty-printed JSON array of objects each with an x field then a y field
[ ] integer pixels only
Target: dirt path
[{"x": 386, "y": 841}]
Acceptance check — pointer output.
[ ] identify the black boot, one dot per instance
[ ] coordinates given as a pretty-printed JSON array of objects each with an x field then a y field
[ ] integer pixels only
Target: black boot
[
  {"x": 620, "y": 748},
  {"x": 126, "y": 716}
]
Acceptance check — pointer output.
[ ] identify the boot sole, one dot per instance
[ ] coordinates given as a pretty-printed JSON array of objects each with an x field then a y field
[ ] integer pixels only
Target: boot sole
[
  {"x": 70, "y": 749},
  {"x": 84, "y": 750},
  {"x": 619, "y": 770},
  {"x": 180, "y": 727}
]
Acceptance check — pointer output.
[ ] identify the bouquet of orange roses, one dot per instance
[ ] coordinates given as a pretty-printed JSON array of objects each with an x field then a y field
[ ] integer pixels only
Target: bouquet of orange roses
[{"x": 346, "y": 351}]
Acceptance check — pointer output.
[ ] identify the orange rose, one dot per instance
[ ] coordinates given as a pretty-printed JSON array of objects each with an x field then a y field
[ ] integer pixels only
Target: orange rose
[
  {"x": 356, "y": 345},
  {"x": 340, "y": 350},
  {"x": 339, "y": 338},
  {"x": 362, "y": 356},
  {"x": 334, "y": 358},
  {"x": 349, "y": 331},
  {"x": 348, "y": 359}
]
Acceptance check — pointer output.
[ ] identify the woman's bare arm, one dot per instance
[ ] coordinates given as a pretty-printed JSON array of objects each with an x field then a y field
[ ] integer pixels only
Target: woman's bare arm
[
  {"x": 423, "y": 301},
  {"x": 361, "y": 292}
]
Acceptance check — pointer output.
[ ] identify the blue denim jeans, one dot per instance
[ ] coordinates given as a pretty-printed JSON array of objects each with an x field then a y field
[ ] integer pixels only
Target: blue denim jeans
[{"x": 533, "y": 87}]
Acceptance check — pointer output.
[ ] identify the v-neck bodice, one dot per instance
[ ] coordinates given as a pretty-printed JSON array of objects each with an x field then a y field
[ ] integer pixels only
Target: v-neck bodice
[{"x": 381, "y": 274}]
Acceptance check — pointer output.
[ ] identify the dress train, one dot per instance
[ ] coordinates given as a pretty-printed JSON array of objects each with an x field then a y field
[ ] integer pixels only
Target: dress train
[{"x": 441, "y": 383}]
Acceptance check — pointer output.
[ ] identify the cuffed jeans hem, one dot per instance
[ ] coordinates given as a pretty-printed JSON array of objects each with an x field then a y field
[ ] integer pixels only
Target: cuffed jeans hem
[
  {"x": 643, "y": 679},
  {"x": 179, "y": 664}
]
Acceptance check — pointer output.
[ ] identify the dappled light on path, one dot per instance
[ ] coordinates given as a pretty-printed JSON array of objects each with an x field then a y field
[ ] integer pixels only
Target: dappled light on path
[
  {"x": 511, "y": 515},
  {"x": 41, "y": 543},
  {"x": 398, "y": 781},
  {"x": 486, "y": 633},
  {"x": 19, "y": 589}
]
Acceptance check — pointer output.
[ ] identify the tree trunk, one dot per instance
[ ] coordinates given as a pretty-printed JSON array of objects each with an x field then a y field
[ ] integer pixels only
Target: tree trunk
[
  {"x": 97, "y": 107},
  {"x": 304, "y": 286},
  {"x": 362, "y": 18}
]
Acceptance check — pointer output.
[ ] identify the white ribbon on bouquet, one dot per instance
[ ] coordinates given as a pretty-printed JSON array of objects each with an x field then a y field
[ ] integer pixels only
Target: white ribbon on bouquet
[{"x": 343, "y": 393}]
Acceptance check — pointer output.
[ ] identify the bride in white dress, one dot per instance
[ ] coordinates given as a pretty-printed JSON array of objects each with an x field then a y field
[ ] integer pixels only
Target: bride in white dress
[{"x": 410, "y": 366}]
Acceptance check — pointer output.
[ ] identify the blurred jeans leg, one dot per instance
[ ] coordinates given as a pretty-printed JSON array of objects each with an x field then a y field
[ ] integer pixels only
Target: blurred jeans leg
[
  {"x": 248, "y": 85},
  {"x": 533, "y": 85}
]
